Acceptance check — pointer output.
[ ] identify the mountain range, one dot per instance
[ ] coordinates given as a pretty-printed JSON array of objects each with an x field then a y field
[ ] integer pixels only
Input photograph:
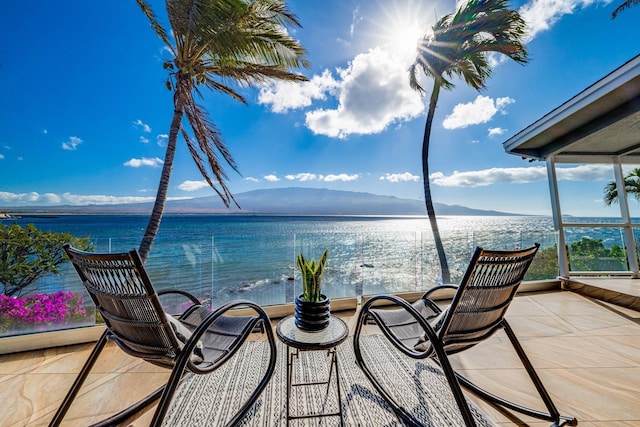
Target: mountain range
[{"x": 283, "y": 201}]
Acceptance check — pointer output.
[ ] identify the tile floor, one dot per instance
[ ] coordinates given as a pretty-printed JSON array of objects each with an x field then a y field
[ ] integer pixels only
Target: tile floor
[{"x": 586, "y": 351}]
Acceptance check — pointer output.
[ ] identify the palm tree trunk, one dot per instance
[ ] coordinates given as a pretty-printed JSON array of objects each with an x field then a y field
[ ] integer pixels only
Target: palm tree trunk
[
  {"x": 444, "y": 266},
  {"x": 163, "y": 187}
]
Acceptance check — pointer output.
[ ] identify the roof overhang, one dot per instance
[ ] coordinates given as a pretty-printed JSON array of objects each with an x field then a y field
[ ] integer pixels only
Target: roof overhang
[{"x": 598, "y": 125}]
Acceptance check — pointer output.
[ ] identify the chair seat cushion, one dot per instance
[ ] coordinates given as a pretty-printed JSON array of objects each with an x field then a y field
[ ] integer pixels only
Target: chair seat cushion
[
  {"x": 402, "y": 325},
  {"x": 183, "y": 334},
  {"x": 423, "y": 343}
]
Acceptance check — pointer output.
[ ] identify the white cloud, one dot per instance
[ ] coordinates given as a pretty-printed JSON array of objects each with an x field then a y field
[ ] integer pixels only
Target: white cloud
[
  {"x": 284, "y": 96},
  {"x": 74, "y": 199},
  {"x": 540, "y": 15},
  {"x": 302, "y": 177},
  {"x": 481, "y": 110},
  {"x": 72, "y": 144},
  {"x": 162, "y": 139},
  {"x": 271, "y": 178},
  {"x": 251, "y": 179},
  {"x": 145, "y": 127},
  {"x": 585, "y": 173},
  {"x": 524, "y": 175},
  {"x": 144, "y": 140},
  {"x": 193, "y": 185},
  {"x": 399, "y": 177},
  {"x": 355, "y": 19},
  {"x": 496, "y": 131},
  {"x": 306, "y": 176},
  {"x": 136, "y": 163},
  {"x": 373, "y": 93},
  {"x": 340, "y": 177},
  {"x": 37, "y": 199}
]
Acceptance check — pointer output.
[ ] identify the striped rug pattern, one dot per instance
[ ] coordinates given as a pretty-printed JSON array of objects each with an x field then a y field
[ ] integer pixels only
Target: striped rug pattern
[{"x": 211, "y": 400}]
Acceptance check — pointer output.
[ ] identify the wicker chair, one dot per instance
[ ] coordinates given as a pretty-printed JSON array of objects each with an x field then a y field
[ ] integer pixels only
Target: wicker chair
[
  {"x": 198, "y": 341},
  {"x": 422, "y": 330}
]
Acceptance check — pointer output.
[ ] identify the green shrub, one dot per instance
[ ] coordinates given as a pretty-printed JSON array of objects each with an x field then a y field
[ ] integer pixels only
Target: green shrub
[{"x": 27, "y": 254}]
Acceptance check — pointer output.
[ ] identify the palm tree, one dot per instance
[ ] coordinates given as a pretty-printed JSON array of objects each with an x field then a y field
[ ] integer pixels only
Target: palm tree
[
  {"x": 243, "y": 41},
  {"x": 458, "y": 47},
  {"x": 627, "y": 4},
  {"x": 631, "y": 186}
]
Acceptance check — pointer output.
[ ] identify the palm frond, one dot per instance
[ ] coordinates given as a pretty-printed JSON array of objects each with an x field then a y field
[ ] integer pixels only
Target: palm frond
[
  {"x": 631, "y": 186},
  {"x": 223, "y": 192},
  {"x": 219, "y": 87},
  {"x": 208, "y": 137},
  {"x": 155, "y": 24},
  {"x": 610, "y": 194},
  {"x": 208, "y": 143},
  {"x": 251, "y": 73},
  {"x": 413, "y": 79},
  {"x": 626, "y": 5},
  {"x": 460, "y": 42}
]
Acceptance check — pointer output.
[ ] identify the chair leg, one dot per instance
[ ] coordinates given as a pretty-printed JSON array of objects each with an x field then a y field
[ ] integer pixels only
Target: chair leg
[
  {"x": 552, "y": 415},
  {"x": 82, "y": 376},
  {"x": 127, "y": 415}
]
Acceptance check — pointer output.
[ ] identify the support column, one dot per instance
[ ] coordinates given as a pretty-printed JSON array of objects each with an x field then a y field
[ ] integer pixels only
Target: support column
[
  {"x": 563, "y": 259},
  {"x": 629, "y": 241}
]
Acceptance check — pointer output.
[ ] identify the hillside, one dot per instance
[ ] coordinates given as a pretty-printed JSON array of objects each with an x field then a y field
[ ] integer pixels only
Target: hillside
[{"x": 284, "y": 201}]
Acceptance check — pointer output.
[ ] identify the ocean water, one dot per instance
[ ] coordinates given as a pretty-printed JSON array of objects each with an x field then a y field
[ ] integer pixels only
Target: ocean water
[{"x": 228, "y": 257}]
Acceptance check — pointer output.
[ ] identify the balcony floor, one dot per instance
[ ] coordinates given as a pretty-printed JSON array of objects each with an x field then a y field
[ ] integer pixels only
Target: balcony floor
[{"x": 586, "y": 351}]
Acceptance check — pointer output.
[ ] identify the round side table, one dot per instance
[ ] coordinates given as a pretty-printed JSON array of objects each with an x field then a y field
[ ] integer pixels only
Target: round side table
[{"x": 298, "y": 340}]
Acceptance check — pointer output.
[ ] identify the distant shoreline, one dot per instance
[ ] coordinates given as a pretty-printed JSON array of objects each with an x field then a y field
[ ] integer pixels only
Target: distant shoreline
[
  {"x": 285, "y": 201},
  {"x": 22, "y": 215}
]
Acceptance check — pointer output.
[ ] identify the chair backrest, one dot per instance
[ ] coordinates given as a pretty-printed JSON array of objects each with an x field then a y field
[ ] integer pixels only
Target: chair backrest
[
  {"x": 123, "y": 294},
  {"x": 483, "y": 296}
]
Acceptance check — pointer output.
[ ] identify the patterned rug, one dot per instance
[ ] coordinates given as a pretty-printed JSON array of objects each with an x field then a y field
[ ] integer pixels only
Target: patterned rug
[{"x": 211, "y": 400}]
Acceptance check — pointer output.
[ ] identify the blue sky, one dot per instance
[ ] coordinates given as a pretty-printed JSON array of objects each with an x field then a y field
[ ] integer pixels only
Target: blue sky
[{"x": 85, "y": 113}]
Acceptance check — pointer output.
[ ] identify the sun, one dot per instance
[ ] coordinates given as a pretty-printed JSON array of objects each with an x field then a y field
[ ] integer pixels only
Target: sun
[
  {"x": 401, "y": 27},
  {"x": 405, "y": 37}
]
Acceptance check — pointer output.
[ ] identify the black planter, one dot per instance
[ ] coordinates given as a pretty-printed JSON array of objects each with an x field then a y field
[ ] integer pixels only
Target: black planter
[{"x": 312, "y": 316}]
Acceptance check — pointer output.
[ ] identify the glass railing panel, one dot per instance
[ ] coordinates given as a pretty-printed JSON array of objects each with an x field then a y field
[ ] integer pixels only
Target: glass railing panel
[
  {"x": 636, "y": 238},
  {"x": 258, "y": 268},
  {"x": 343, "y": 272},
  {"x": 53, "y": 302},
  {"x": 594, "y": 249},
  {"x": 181, "y": 265},
  {"x": 389, "y": 262},
  {"x": 458, "y": 247}
]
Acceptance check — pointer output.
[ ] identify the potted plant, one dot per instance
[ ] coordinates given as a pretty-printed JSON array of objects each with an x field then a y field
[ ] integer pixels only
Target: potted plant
[{"x": 312, "y": 308}]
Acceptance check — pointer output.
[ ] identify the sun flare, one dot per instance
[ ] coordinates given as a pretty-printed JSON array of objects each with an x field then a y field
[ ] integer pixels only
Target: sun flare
[
  {"x": 405, "y": 37},
  {"x": 402, "y": 27}
]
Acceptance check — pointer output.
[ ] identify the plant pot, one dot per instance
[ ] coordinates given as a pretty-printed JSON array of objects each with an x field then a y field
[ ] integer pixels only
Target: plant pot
[{"x": 312, "y": 316}]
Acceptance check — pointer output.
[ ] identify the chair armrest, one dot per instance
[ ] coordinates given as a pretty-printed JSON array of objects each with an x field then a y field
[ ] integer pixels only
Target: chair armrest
[
  {"x": 180, "y": 292},
  {"x": 438, "y": 288},
  {"x": 212, "y": 317},
  {"x": 429, "y": 332}
]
